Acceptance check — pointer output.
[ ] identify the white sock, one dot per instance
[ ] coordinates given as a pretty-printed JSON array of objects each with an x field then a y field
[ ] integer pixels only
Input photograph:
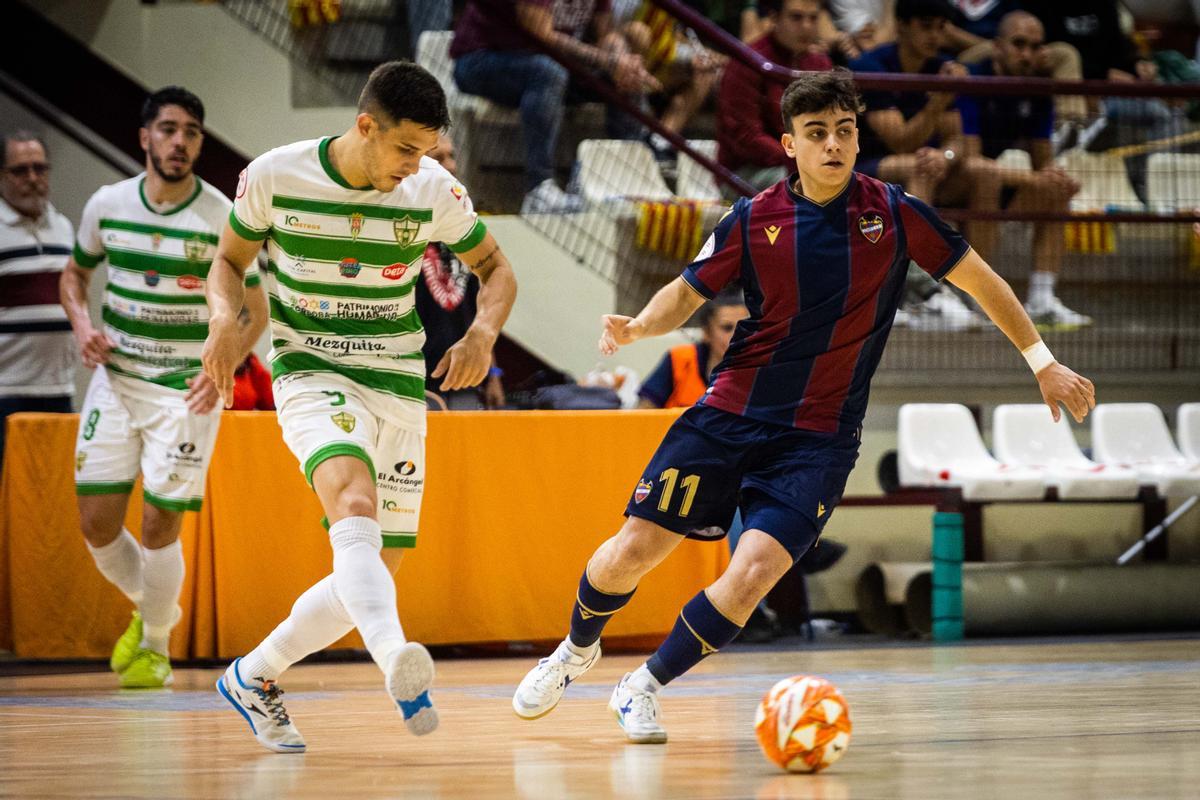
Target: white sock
[
  {"x": 580, "y": 652},
  {"x": 644, "y": 680},
  {"x": 318, "y": 619},
  {"x": 1041, "y": 287},
  {"x": 120, "y": 561},
  {"x": 163, "y": 579},
  {"x": 365, "y": 586}
]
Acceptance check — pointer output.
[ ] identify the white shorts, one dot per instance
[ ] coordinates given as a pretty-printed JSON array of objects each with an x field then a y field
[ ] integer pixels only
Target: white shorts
[
  {"x": 344, "y": 419},
  {"x": 124, "y": 429}
]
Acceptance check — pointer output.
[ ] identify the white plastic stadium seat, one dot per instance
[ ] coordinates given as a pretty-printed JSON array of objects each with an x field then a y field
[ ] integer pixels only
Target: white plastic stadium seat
[
  {"x": 1027, "y": 435},
  {"x": 1104, "y": 183},
  {"x": 941, "y": 447},
  {"x": 695, "y": 182},
  {"x": 616, "y": 169},
  {"x": 1135, "y": 435},
  {"x": 1015, "y": 160},
  {"x": 1187, "y": 431},
  {"x": 1173, "y": 182}
]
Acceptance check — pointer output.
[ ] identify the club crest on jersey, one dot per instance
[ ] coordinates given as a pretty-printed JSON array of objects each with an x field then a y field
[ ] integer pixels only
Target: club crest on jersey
[
  {"x": 406, "y": 229},
  {"x": 194, "y": 248},
  {"x": 349, "y": 268},
  {"x": 356, "y": 223},
  {"x": 642, "y": 491},
  {"x": 156, "y": 240},
  {"x": 344, "y": 421},
  {"x": 871, "y": 226}
]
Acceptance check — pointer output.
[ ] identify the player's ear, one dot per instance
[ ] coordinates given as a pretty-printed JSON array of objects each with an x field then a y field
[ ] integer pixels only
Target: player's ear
[
  {"x": 366, "y": 123},
  {"x": 144, "y": 138},
  {"x": 789, "y": 145}
]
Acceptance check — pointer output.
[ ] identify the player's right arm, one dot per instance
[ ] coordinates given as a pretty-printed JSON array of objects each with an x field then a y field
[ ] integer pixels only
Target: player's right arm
[
  {"x": 667, "y": 310},
  {"x": 718, "y": 262},
  {"x": 94, "y": 344},
  {"x": 226, "y": 292}
]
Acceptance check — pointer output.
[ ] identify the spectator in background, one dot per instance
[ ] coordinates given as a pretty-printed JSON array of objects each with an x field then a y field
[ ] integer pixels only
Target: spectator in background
[
  {"x": 445, "y": 303},
  {"x": 995, "y": 123},
  {"x": 681, "y": 377},
  {"x": 914, "y": 139},
  {"x": 740, "y": 18},
  {"x": 749, "y": 125},
  {"x": 37, "y": 353},
  {"x": 970, "y": 37},
  {"x": 426, "y": 15},
  {"x": 496, "y": 52},
  {"x": 862, "y": 25}
]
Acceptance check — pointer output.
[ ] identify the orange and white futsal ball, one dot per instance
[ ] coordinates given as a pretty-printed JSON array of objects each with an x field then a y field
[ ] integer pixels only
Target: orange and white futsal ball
[{"x": 803, "y": 724}]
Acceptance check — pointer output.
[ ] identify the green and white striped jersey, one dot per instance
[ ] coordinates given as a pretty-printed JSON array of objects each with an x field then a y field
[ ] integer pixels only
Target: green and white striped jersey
[
  {"x": 154, "y": 307},
  {"x": 343, "y": 262}
]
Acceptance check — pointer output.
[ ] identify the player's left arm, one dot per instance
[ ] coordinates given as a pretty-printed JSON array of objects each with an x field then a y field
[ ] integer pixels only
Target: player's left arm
[
  {"x": 468, "y": 360},
  {"x": 1057, "y": 383}
]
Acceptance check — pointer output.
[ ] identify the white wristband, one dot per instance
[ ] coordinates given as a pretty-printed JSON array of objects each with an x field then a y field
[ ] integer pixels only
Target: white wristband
[{"x": 1038, "y": 356}]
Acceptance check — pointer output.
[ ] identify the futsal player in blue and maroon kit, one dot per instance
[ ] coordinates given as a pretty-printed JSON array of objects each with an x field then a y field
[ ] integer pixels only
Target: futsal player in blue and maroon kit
[{"x": 822, "y": 256}]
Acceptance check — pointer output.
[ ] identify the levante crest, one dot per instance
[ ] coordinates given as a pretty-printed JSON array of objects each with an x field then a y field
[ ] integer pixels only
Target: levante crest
[{"x": 871, "y": 226}]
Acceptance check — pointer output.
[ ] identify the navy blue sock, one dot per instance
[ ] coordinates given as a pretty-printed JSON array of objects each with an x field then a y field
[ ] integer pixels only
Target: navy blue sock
[
  {"x": 700, "y": 631},
  {"x": 592, "y": 610}
]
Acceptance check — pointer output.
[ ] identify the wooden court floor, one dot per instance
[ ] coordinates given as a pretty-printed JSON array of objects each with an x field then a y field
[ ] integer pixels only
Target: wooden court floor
[{"x": 1096, "y": 718}]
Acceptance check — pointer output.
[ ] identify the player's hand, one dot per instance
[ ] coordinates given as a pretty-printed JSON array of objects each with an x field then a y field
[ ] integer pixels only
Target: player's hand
[
  {"x": 1055, "y": 182},
  {"x": 931, "y": 163},
  {"x": 94, "y": 346},
  {"x": 618, "y": 332},
  {"x": 1061, "y": 385},
  {"x": 202, "y": 395},
  {"x": 465, "y": 364},
  {"x": 220, "y": 356}
]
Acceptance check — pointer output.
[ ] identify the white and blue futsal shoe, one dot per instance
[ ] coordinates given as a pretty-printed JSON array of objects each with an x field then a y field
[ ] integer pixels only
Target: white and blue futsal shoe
[
  {"x": 637, "y": 713},
  {"x": 260, "y": 704},
  {"x": 409, "y": 676},
  {"x": 544, "y": 685}
]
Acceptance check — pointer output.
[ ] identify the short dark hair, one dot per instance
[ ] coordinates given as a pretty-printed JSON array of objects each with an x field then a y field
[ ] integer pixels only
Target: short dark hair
[
  {"x": 817, "y": 91},
  {"x": 403, "y": 90},
  {"x": 922, "y": 9},
  {"x": 22, "y": 135},
  {"x": 171, "y": 96},
  {"x": 729, "y": 296}
]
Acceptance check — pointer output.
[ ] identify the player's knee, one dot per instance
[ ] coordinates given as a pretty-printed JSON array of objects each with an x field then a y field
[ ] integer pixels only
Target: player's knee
[
  {"x": 752, "y": 578},
  {"x": 354, "y": 503}
]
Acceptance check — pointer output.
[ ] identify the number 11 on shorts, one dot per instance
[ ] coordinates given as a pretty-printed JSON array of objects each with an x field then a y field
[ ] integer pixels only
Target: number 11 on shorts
[{"x": 690, "y": 484}]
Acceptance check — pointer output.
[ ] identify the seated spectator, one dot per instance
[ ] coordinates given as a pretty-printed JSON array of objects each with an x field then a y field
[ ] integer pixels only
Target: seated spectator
[
  {"x": 675, "y": 56},
  {"x": 445, "y": 304},
  {"x": 861, "y": 25},
  {"x": 971, "y": 40},
  {"x": 496, "y": 56},
  {"x": 995, "y": 123},
  {"x": 252, "y": 386},
  {"x": 914, "y": 139},
  {"x": 681, "y": 377},
  {"x": 749, "y": 125}
]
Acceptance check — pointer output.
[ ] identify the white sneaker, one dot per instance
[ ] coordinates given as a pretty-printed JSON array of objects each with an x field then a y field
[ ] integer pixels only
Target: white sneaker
[
  {"x": 542, "y": 688},
  {"x": 1052, "y": 315},
  {"x": 547, "y": 198},
  {"x": 637, "y": 712},
  {"x": 943, "y": 311},
  {"x": 410, "y": 674},
  {"x": 260, "y": 704}
]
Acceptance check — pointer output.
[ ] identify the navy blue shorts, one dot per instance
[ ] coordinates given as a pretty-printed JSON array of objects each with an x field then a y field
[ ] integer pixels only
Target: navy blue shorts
[{"x": 785, "y": 481}]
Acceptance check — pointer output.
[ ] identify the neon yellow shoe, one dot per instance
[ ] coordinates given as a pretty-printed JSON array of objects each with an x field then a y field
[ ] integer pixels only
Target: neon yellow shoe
[
  {"x": 127, "y": 646},
  {"x": 148, "y": 670}
]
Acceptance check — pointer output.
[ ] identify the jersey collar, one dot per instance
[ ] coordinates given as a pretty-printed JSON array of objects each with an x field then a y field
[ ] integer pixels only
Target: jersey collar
[
  {"x": 801, "y": 199},
  {"x": 327, "y": 165}
]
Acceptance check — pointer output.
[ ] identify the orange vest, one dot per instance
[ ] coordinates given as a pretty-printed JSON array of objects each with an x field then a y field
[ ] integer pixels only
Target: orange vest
[{"x": 685, "y": 375}]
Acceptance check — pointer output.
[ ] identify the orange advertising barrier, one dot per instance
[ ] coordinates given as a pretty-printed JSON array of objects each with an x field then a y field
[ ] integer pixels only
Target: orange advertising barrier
[{"x": 515, "y": 503}]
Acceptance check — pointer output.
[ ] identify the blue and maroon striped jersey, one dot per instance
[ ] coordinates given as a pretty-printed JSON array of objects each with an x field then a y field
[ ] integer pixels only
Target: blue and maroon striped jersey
[{"x": 822, "y": 284}]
